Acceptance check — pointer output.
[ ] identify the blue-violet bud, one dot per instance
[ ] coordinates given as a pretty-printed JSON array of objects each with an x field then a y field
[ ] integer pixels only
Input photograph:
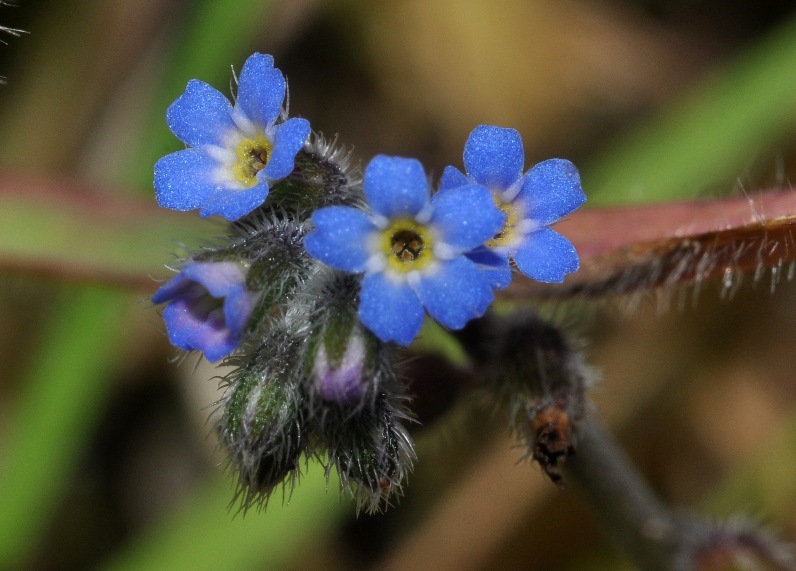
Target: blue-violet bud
[
  {"x": 208, "y": 307},
  {"x": 342, "y": 378}
]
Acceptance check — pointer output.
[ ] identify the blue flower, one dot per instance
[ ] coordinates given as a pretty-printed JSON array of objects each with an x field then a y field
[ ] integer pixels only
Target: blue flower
[
  {"x": 411, "y": 249},
  {"x": 494, "y": 157},
  {"x": 208, "y": 307},
  {"x": 235, "y": 153}
]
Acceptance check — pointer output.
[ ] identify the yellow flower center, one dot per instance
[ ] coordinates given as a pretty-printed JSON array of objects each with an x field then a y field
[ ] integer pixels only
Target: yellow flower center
[
  {"x": 508, "y": 234},
  {"x": 407, "y": 245},
  {"x": 253, "y": 155}
]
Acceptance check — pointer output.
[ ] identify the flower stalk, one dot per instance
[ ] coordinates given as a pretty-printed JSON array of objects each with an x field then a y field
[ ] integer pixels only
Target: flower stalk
[
  {"x": 624, "y": 503},
  {"x": 537, "y": 377}
]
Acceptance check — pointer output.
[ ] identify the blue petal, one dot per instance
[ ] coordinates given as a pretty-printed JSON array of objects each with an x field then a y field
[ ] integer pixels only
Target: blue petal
[
  {"x": 233, "y": 203},
  {"x": 200, "y": 116},
  {"x": 218, "y": 278},
  {"x": 340, "y": 238},
  {"x": 466, "y": 217},
  {"x": 390, "y": 310},
  {"x": 220, "y": 347},
  {"x": 495, "y": 267},
  {"x": 183, "y": 180},
  {"x": 261, "y": 90},
  {"x": 289, "y": 139},
  {"x": 455, "y": 293},
  {"x": 494, "y": 156},
  {"x": 238, "y": 306},
  {"x": 551, "y": 190},
  {"x": 546, "y": 256},
  {"x": 395, "y": 186},
  {"x": 452, "y": 177},
  {"x": 190, "y": 330},
  {"x": 178, "y": 285}
]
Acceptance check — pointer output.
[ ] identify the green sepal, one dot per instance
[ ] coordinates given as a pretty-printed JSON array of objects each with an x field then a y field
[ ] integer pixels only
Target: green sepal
[
  {"x": 261, "y": 425},
  {"x": 314, "y": 182}
]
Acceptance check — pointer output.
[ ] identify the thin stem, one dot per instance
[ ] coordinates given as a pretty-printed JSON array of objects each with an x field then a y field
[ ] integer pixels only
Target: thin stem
[{"x": 638, "y": 522}]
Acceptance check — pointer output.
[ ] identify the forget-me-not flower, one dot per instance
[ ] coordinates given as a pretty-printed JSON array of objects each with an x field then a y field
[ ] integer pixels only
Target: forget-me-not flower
[
  {"x": 410, "y": 247},
  {"x": 532, "y": 201},
  {"x": 235, "y": 152},
  {"x": 208, "y": 307}
]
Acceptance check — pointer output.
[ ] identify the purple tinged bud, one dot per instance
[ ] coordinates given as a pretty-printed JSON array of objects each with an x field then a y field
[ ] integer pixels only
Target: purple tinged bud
[
  {"x": 208, "y": 307},
  {"x": 343, "y": 381}
]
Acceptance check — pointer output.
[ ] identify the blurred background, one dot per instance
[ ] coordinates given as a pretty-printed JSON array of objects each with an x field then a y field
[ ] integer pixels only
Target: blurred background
[{"x": 106, "y": 456}]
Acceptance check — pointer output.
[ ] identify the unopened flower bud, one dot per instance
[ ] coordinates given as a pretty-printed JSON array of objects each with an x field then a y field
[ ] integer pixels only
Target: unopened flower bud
[
  {"x": 261, "y": 423},
  {"x": 371, "y": 449},
  {"x": 538, "y": 378},
  {"x": 321, "y": 176},
  {"x": 341, "y": 378},
  {"x": 378, "y": 459},
  {"x": 209, "y": 307},
  {"x": 343, "y": 356}
]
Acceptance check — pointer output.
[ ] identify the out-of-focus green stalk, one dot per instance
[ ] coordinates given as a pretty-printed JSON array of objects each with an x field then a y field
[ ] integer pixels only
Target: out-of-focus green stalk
[
  {"x": 207, "y": 535},
  {"x": 708, "y": 136},
  {"x": 131, "y": 239},
  {"x": 63, "y": 395}
]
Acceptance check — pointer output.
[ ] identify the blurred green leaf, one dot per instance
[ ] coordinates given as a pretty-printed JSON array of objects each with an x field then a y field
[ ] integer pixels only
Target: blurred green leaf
[
  {"x": 62, "y": 397},
  {"x": 206, "y": 534},
  {"x": 63, "y": 229},
  {"x": 708, "y": 136}
]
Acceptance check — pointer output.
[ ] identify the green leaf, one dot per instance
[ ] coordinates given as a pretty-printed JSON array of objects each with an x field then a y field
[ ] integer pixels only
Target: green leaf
[
  {"x": 205, "y": 534},
  {"x": 707, "y": 136}
]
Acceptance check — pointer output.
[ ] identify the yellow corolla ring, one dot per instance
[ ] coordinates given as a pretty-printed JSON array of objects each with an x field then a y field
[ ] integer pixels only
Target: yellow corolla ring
[
  {"x": 253, "y": 155},
  {"x": 407, "y": 245}
]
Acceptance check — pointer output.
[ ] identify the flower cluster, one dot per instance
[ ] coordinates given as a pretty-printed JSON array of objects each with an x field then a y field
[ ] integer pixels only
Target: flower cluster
[
  {"x": 446, "y": 252},
  {"x": 324, "y": 271}
]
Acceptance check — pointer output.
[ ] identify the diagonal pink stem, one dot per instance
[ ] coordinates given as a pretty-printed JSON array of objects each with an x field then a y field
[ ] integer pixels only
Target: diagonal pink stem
[
  {"x": 598, "y": 231},
  {"x": 68, "y": 229},
  {"x": 636, "y": 248}
]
